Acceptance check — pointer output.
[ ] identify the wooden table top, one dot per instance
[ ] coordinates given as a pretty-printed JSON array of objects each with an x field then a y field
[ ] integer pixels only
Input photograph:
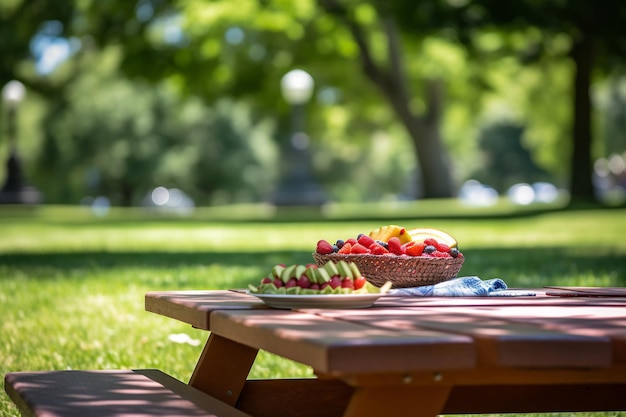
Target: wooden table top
[{"x": 419, "y": 334}]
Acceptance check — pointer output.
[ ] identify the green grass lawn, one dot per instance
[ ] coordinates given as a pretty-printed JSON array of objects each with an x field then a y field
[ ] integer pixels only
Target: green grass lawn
[{"x": 72, "y": 285}]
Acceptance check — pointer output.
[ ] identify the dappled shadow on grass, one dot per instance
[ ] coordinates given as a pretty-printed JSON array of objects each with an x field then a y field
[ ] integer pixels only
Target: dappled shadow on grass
[{"x": 522, "y": 267}]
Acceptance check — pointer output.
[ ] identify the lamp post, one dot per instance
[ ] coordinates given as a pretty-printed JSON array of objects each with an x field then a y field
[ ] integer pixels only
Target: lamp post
[
  {"x": 297, "y": 186},
  {"x": 14, "y": 190}
]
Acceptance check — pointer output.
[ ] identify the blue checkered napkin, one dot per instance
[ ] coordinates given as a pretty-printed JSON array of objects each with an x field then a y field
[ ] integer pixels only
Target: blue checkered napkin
[{"x": 463, "y": 287}]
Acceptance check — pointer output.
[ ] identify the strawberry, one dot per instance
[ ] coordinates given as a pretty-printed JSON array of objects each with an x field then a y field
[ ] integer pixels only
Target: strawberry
[
  {"x": 346, "y": 248},
  {"x": 377, "y": 249},
  {"x": 324, "y": 248},
  {"x": 359, "y": 283},
  {"x": 442, "y": 247},
  {"x": 291, "y": 283},
  {"x": 414, "y": 248},
  {"x": 365, "y": 240},
  {"x": 358, "y": 248},
  {"x": 395, "y": 246},
  {"x": 266, "y": 280},
  {"x": 277, "y": 282}
]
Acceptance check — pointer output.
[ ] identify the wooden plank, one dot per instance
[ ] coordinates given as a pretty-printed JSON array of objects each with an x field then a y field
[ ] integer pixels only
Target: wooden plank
[
  {"x": 594, "y": 291},
  {"x": 541, "y": 299},
  {"x": 536, "y": 398},
  {"x": 501, "y": 339},
  {"x": 222, "y": 368},
  {"x": 337, "y": 346},
  {"x": 493, "y": 376},
  {"x": 104, "y": 393},
  {"x": 399, "y": 401},
  {"x": 295, "y": 397},
  {"x": 195, "y": 307},
  {"x": 596, "y": 320}
]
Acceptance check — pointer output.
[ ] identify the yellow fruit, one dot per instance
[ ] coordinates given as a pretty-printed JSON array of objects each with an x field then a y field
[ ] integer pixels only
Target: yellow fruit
[
  {"x": 387, "y": 232},
  {"x": 422, "y": 233}
]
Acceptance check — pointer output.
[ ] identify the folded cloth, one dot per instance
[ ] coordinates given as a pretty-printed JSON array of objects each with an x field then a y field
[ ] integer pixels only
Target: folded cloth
[{"x": 463, "y": 287}]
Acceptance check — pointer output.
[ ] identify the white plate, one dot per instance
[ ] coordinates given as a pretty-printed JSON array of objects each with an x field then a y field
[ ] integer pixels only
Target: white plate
[{"x": 290, "y": 301}]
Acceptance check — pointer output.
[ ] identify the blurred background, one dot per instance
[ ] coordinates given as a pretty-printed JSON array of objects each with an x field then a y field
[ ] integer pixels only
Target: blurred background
[{"x": 176, "y": 104}]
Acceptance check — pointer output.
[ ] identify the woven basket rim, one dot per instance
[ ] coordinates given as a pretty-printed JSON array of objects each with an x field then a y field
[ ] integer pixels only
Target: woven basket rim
[
  {"x": 401, "y": 270},
  {"x": 389, "y": 257}
]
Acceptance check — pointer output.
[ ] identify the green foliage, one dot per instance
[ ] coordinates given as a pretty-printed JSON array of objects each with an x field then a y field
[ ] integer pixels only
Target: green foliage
[
  {"x": 506, "y": 161},
  {"x": 131, "y": 137},
  {"x": 128, "y": 103}
]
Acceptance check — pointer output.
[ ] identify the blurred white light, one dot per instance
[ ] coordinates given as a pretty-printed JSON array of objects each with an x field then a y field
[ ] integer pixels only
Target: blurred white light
[
  {"x": 300, "y": 141},
  {"x": 473, "y": 193},
  {"x": 616, "y": 164},
  {"x": 297, "y": 86},
  {"x": 176, "y": 197},
  {"x": 13, "y": 93},
  {"x": 160, "y": 196},
  {"x": 522, "y": 194},
  {"x": 545, "y": 192},
  {"x": 234, "y": 35},
  {"x": 601, "y": 167},
  {"x": 101, "y": 206}
]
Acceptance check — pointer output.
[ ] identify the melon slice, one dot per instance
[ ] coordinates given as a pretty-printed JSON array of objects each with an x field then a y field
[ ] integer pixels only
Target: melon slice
[{"x": 440, "y": 236}]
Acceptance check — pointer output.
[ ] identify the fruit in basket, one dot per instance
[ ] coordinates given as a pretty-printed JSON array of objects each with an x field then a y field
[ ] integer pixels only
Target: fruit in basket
[
  {"x": 385, "y": 233},
  {"x": 423, "y": 233},
  {"x": 332, "y": 278},
  {"x": 395, "y": 240}
]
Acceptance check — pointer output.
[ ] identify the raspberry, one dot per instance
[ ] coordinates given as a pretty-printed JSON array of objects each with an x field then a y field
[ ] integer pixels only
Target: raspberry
[
  {"x": 324, "y": 248},
  {"x": 352, "y": 241},
  {"x": 439, "y": 254},
  {"x": 431, "y": 242},
  {"x": 377, "y": 249},
  {"x": 346, "y": 248},
  {"x": 358, "y": 248}
]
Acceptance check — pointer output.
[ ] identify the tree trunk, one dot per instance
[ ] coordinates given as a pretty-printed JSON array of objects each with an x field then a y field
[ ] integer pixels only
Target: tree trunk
[
  {"x": 432, "y": 157},
  {"x": 434, "y": 173},
  {"x": 581, "y": 186}
]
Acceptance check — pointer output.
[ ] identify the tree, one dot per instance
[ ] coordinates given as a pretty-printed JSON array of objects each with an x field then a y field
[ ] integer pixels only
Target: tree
[
  {"x": 390, "y": 78},
  {"x": 241, "y": 49},
  {"x": 593, "y": 30}
]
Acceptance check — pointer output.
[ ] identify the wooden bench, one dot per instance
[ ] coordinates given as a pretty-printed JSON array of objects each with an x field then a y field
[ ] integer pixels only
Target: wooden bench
[{"x": 147, "y": 392}]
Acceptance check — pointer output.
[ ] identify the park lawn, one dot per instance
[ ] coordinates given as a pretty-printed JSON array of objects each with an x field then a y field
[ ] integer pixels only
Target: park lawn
[{"x": 72, "y": 285}]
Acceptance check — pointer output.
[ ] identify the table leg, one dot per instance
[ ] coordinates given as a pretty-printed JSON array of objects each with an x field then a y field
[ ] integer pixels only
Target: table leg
[
  {"x": 223, "y": 368},
  {"x": 397, "y": 401}
]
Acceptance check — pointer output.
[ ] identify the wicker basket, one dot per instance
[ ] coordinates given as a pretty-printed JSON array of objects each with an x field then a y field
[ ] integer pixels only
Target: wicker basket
[{"x": 402, "y": 271}]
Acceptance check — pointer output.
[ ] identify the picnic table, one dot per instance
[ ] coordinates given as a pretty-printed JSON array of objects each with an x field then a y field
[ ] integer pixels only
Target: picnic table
[{"x": 412, "y": 356}]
